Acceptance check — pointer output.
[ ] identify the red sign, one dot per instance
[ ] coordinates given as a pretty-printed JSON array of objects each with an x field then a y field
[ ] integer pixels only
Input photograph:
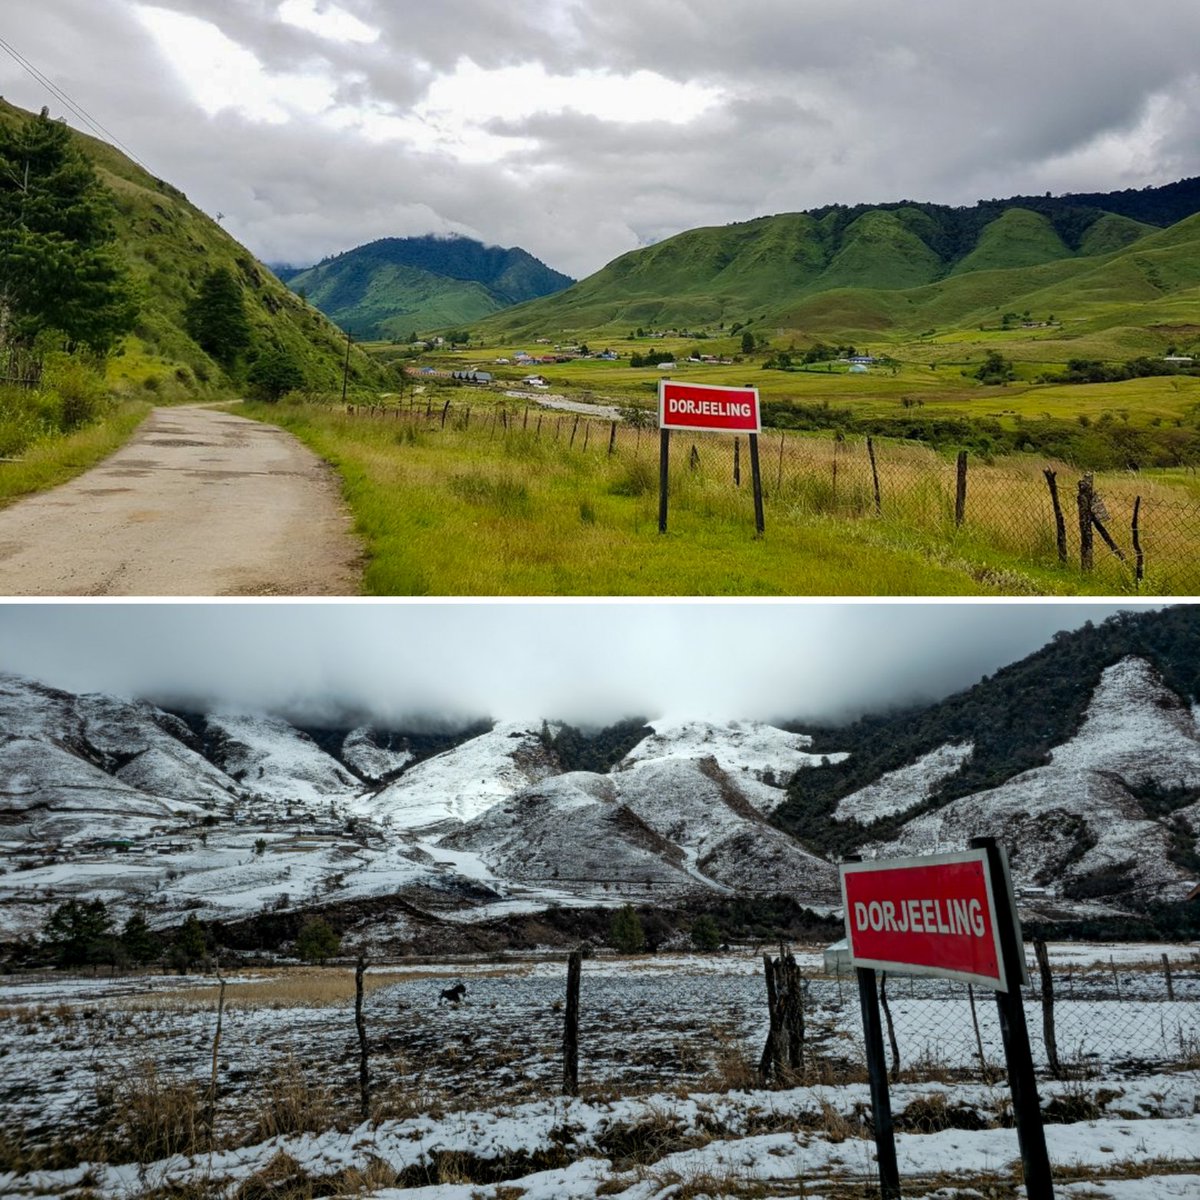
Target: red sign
[
  {"x": 706, "y": 408},
  {"x": 925, "y": 916}
]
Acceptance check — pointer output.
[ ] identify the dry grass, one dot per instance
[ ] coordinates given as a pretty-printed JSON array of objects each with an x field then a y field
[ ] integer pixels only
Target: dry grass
[
  {"x": 289, "y": 987},
  {"x": 293, "y": 1104},
  {"x": 150, "y": 1116}
]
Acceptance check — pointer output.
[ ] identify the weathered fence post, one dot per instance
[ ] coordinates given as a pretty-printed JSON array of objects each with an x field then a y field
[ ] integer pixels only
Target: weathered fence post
[
  {"x": 1166, "y": 962},
  {"x": 212, "y": 1085},
  {"x": 587, "y": 429},
  {"x": 445, "y": 413},
  {"x": 571, "y": 1025},
  {"x": 574, "y": 431},
  {"x": 874, "y": 476},
  {"x": 525, "y": 419},
  {"x": 891, "y": 1028},
  {"x": 960, "y": 488},
  {"x": 984, "y": 1069},
  {"x": 779, "y": 478},
  {"x": 1060, "y": 525},
  {"x": 737, "y": 462},
  {"x": 612, "y": 439},
  {"x": 1139, "y": 567},
  {"x": 364, "y": 1080},
  {"x": 1086, "y": 557},
  {"x": 1048, "y": 1029}
]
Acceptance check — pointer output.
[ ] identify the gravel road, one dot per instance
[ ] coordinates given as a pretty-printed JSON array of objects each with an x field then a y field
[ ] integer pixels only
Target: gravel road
[{"x": 198, "y": 503}]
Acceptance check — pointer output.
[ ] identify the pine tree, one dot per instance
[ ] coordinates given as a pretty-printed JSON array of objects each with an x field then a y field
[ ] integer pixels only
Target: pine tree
[
  {"x": 58, "y": 267},
  {"x": 316, "y": 941},
  {"x": 216, "y": 317},
  {"x": 76, "y": 932},
  {"x": 190, "y": 945},
  {"x": 626, "y": 933},
  {"x": 137, "y": 939}
]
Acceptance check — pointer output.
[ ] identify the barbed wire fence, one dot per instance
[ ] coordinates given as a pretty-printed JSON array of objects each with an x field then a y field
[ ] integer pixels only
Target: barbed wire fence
[{"x": 1132, "y": 533}]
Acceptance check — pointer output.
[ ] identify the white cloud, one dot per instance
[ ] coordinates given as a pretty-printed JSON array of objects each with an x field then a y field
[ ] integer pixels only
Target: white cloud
[{"x": 327, "y": 21}]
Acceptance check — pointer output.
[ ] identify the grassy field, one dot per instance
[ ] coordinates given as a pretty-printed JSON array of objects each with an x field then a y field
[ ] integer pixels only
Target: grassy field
[
  {"x": 51, "y": 461},
  {"x": 521, "y": 502}
]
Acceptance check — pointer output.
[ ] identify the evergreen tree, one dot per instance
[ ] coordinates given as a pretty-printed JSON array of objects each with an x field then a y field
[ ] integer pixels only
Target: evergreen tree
[
  {"x": 274, "y": 373},
  {"x": 76, "y": 932},
  {"x": 626, "y": 933},
  {"x": 216, "y": 317},
  {"x": 706, "y": 934},
  {"x": 190, "y": 944},
  {"x": 316, "y": 942},
  {"x": 139, "y": 943},
  {"x": 58, "y": 267}
]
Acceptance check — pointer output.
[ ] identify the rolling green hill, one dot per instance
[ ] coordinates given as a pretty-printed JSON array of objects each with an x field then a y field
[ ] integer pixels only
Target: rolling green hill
[
  {"x": 396, "y": 286},
  {"x": 169, "y": 246},
  {"x": 895, "y": 270}
]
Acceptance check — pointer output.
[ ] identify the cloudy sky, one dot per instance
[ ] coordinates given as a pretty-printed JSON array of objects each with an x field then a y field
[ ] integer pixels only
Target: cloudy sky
[
  {"x": 589, "y": 662},
  {"x": 580, "y": 129}
]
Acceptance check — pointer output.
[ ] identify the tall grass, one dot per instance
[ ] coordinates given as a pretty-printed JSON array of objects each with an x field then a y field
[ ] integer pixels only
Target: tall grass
[{"x": 513, "y": 506}]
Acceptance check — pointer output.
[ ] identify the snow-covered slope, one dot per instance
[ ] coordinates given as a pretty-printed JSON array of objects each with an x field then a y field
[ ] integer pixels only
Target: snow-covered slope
[
  {"x": 895, "y": 791},
  {"x": 462, "y": 783},
  {"x": 1079, "y": 815},
  {"x": 362, "y": 753},
  {"x": 749, "y": 750},
  {"x": 272, "y": 759}
]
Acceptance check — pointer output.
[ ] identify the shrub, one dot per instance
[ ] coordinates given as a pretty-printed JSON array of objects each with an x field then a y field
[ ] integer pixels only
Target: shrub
[{"x": 625, "y": 933}]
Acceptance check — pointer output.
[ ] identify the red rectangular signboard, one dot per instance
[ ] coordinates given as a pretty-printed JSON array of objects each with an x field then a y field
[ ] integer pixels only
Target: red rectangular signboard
[
  {"x": 926, "y": 916},
  {"x": 703, "y": 407}
]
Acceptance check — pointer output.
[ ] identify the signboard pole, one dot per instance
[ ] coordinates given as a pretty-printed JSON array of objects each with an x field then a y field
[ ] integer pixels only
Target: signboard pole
[
  {"x": 881, "y": 1101},
  {"x": 664, "y": 462},
  {"x": 757, "y": 480},
  {"x": 1018, "y": 1056}
]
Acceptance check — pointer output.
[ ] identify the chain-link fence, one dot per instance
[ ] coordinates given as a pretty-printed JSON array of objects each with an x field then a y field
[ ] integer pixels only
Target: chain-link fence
[{"x": 1132, "y": 532}]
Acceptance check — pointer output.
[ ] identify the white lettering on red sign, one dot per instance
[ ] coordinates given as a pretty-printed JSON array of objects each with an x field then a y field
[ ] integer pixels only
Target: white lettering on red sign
[
  {"x": 708, "y": 407},
  {"x": 921, "y": 916},
  {"x": 926, "y": 916}
]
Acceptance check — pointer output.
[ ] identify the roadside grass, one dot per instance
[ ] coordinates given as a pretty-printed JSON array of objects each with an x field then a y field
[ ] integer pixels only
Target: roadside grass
[
  {"x": 540, "y": 508},
  {"x": 53, "y": 460}
]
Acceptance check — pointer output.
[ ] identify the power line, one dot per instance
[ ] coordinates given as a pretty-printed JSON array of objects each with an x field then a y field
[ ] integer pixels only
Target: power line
[{"x": 63, "y": 98}]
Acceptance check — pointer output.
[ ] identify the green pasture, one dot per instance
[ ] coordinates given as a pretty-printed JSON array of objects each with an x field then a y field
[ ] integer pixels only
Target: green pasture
[{"x": 485, "y": 510}]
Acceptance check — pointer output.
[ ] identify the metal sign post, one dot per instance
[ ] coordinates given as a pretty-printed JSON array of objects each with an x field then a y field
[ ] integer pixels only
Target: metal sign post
[
  {"x": 952, "y": 916},
  {"x": 706, "y": 408},
  {"x": 1018, "y": 1055}
]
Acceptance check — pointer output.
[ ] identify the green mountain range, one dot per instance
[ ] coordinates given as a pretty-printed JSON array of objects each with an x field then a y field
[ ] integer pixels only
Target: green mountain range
[
  {"x": 393, "y": 287},
  {"x": 170, "y": 246},
  {"x": 900, "y": 269}
]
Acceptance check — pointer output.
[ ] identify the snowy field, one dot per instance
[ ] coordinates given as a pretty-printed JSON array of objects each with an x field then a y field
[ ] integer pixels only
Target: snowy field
[{"x": 464, "y": 1097}]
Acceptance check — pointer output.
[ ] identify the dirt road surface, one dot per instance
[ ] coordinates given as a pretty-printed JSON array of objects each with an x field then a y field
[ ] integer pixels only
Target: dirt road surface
[{"x": 198, "y": 503}]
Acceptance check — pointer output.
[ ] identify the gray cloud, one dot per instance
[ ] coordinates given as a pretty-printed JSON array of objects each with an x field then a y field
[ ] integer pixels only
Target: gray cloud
[
  {"x": 867, "y": 100},
  {"x": 588, "y": 662}
]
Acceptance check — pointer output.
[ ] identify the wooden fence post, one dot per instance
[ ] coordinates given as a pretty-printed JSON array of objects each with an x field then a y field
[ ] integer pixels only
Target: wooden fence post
[
  {"x": 574, "y": 431},
  {"x": 1139, "y": 567},
  {"x": 612, "y": 439},
  {"x": 1166, "y": 962},
  {"x": 960, "y": 488},
  {"x": 571, "y": 1025},
  {"x": 874, "y": 476},
  {"x": 1084, "y": 502},
  {"x": 737, "y": 462},
  {"x": 364, "y": 1080},
  {"x": 1060, "y": 525},
  {"x": 984, "y": 1069},
  {"x": 1048, "y": 1030}
]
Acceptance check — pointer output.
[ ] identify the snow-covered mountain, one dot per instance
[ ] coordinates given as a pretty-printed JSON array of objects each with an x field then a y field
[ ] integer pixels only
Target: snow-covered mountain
[{"x": 226, "y": 814}]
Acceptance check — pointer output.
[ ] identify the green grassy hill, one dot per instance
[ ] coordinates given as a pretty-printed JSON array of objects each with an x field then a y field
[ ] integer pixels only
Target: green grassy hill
[
  {"x": 169, "y": 246},
  {"x": 396, "y": 286},
  {"x": 887, "y": 270}
]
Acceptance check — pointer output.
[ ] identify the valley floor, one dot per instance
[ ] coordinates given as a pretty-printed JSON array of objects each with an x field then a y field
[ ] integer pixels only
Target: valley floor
[{"x": 107, "y": 1084}]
